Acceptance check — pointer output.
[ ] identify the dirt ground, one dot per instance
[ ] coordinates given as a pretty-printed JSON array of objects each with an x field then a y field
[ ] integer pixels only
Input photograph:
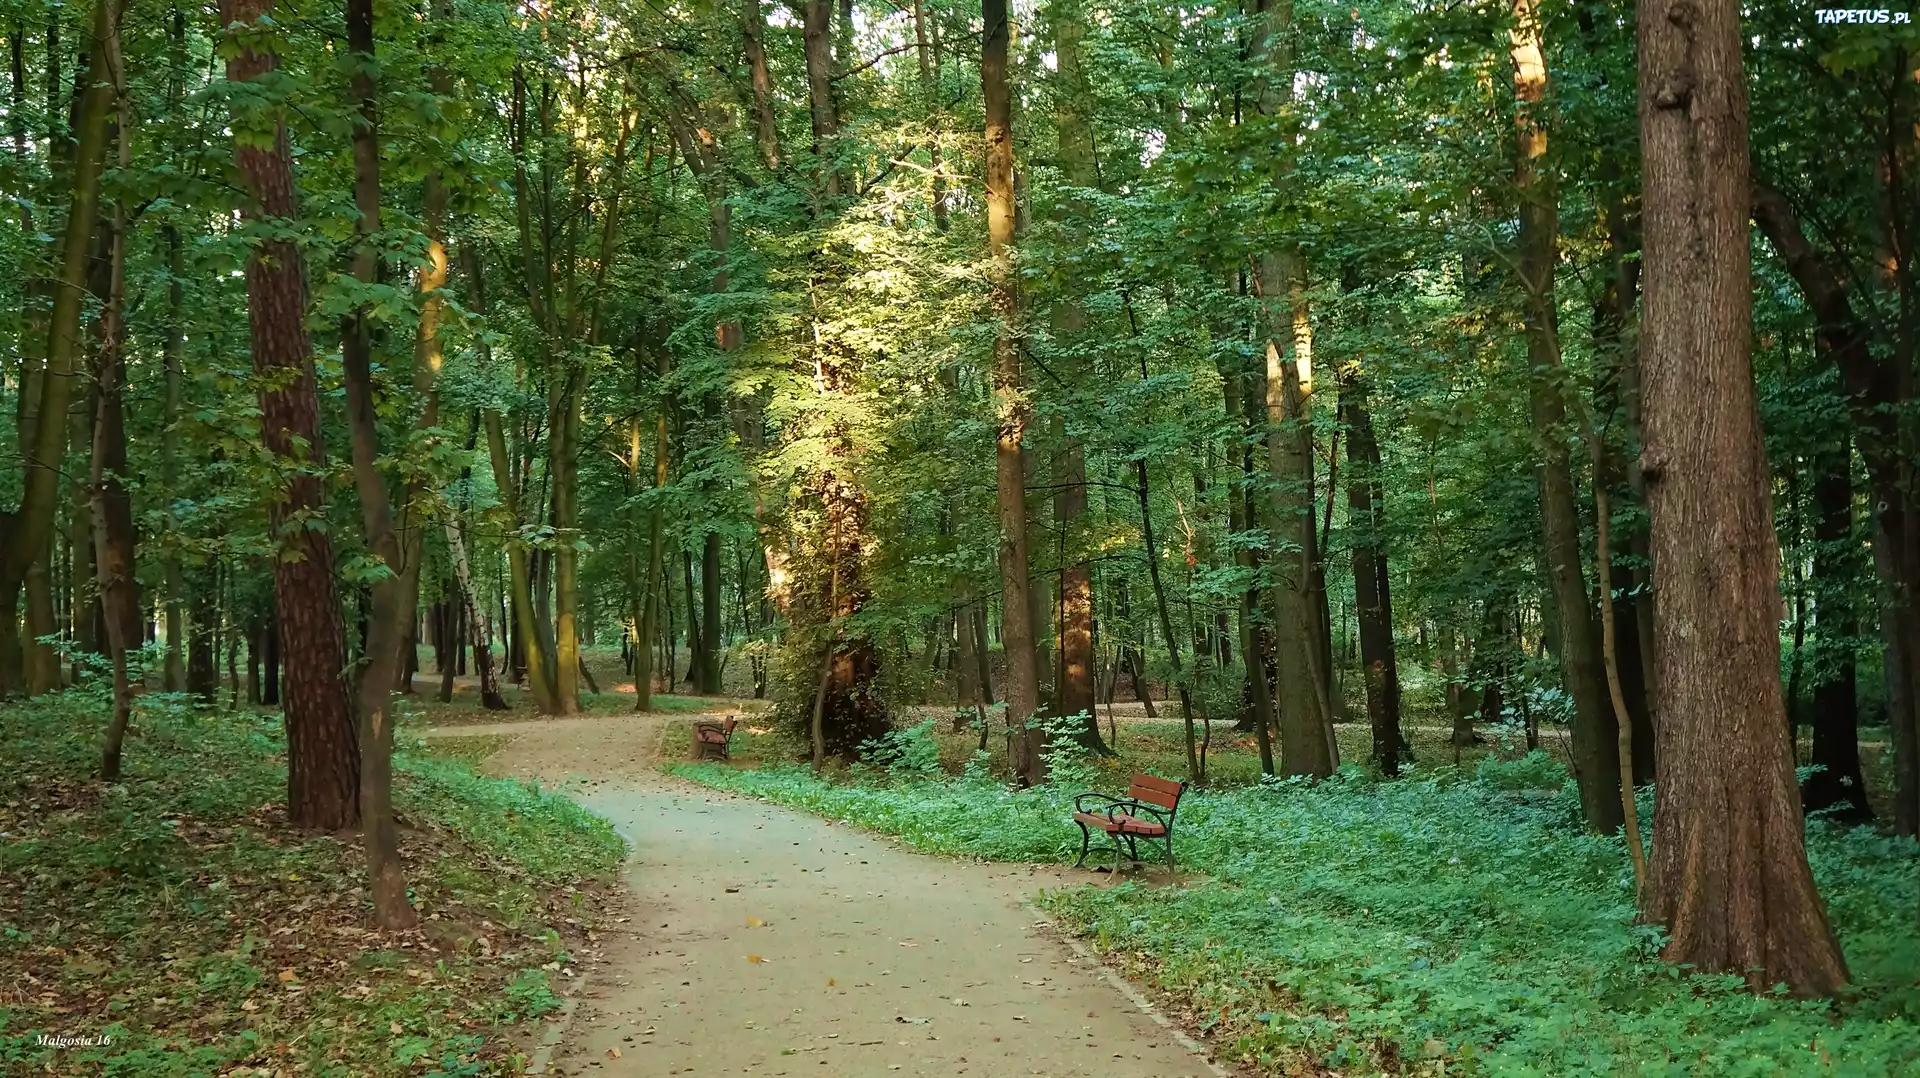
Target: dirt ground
[{"x": 769, "y": 942}]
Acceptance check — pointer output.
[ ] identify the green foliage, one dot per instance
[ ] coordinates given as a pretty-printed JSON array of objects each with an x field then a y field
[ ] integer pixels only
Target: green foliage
[
  {"x": 1356, "y": 925},
  {"x": 910, "y": 753},
  {"x": 163, "y": 903}
]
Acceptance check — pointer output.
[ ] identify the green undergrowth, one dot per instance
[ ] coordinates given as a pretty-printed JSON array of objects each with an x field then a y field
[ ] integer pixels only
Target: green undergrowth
[
  {"x": 175, "y": 914},
  {"x": 1443, "y": 924}
]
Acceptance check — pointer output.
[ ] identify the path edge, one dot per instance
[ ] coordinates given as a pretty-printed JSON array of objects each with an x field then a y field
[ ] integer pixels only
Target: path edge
[
  {"x": 557, "y": 1028},
  {"x": 1193, "y": 1047}
]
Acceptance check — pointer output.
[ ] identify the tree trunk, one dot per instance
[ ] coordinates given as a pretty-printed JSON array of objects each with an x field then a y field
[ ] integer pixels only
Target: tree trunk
[
  {"x": 1372, "y": 596},
  {"x": 112, "y": 505},
  {"x": 387, "y": 624},
  {"x": 647, "y": 617},
  {"x": 1196, "y": 764},
  {"x": 1838, "y": 785},
  {"x": 710, "y": 616},
  {"x": 1596, "y": 757},
  {"x": 477, "y": 626},
  {"x": 1729, "y": 876},
  {"x": 323, "y": 763},
  {"x": 1241, "y": 513},
  {"x": 1878, "y": 390},
  {"x": 766, "y": 135},
  {"x": 817, "y": 36},
  {"x": 1010, "y": 403}
]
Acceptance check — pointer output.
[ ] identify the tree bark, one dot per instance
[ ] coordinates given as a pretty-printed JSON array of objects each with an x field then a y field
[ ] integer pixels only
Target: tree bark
[
  {"x": 1877, "y": 392},
  {"x": 112, "y": 505},
  {"x": 1372, "y": 595},
  {"x": 1302, "y": 701},
  {"x": 323, "y": 761},
  {"x": 387, "y": 624},
  {"x": 817, "y": 36},
  {"x": 1596, "y": 758},
  {"x": 753, "y": 43},
  {"x": 1242, "y": 511},
  {"x": 1729, "y": 876},
  {"x": 1838, "y": 786},
  {"x": 1011, "y": 405},
  {"x": 1073, "y": 687},
  {"x": 29, "y": 529}
]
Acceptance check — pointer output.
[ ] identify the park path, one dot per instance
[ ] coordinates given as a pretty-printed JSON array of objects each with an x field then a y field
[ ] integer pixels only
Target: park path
[{"x": 769, "y": 942}]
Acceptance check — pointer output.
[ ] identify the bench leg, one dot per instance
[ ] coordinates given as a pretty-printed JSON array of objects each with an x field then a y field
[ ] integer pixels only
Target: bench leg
[{"x": 1086, "y": 837}]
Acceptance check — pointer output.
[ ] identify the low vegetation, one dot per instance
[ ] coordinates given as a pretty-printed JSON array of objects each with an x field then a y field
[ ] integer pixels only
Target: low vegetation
[
  {"x": 1459, "y": 917},
  {"x": 179, "y": 928}
]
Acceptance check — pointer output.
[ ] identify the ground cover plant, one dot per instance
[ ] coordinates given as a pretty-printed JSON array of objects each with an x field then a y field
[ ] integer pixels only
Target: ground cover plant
[
  {"x": 1457, "y": 919},
  {"x": 174, "y": 913}
]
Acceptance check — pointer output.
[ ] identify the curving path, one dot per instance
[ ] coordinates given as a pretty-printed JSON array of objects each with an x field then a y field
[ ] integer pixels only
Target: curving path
[{"x": 770, "y": 942}]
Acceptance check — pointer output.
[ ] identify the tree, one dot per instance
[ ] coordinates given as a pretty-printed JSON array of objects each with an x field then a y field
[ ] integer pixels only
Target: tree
[
  {"x": 1011, "y": 406},
  {"x": 323, "y": 752},
  {"x": 1729, "y": 876}
]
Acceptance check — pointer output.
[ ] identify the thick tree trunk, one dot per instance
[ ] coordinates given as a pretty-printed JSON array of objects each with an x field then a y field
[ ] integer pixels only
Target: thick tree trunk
[
  {"x": 1073, "y": 687},
  {"x": 323, "y": 761},
  {"x": 1596, "y": 757},
  {"x": 1302, "y": 701},
  {"x": 1305, "y": 717},
  {"x": 1010, "y": 403},
  {"x": 1729, "y": 876},
  {"x": 817, "y": 37}
]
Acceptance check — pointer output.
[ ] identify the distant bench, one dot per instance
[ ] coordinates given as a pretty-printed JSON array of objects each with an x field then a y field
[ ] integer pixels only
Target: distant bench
[
  {"x": 711, "y": 739},
  {"x": 1145, "y": 814}
]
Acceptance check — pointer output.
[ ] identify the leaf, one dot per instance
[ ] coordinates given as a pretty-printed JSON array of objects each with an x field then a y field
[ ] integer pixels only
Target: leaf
[
  {"x": 755, "y": 922},
  {"x": 287, "y": 976},
  {"x": 756, "y": 959}
]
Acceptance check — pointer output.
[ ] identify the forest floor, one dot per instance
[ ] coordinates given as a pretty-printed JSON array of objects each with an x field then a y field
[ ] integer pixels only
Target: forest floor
[{"x": 772, "y": 942}]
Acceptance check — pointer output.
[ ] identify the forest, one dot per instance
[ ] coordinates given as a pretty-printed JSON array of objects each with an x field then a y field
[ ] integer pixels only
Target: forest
[{"x": 1387, "y": 397}]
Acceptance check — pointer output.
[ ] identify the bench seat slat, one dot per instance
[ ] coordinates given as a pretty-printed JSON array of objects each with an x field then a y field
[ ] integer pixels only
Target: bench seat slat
[{"x": 1154, "y": 797}]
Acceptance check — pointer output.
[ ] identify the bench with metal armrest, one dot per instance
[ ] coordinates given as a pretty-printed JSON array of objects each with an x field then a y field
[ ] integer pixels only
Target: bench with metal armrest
[{"x": 1145, "y": 814}]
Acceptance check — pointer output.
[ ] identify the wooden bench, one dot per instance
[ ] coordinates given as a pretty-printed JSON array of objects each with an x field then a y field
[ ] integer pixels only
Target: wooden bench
[
  {"x": 1145, "y": 814},
  {"x": 710, "y": 739}
]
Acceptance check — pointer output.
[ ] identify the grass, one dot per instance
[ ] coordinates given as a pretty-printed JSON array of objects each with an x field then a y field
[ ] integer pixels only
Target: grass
[
  {"x": 176, "y": 914},
  {"x": 1457, "y": 922}
]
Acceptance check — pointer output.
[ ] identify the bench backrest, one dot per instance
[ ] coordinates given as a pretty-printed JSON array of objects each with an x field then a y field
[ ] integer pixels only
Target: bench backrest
[{"x": 1155, "y": 790}]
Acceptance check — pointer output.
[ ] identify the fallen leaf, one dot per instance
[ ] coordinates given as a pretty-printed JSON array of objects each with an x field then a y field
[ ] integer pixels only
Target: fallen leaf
[
  {"x": 613, "y": 1053},
  {"x": 754, "y": 922},
  {"x": 755, "y": 958},
  {"x": 287, "y": 975},
  {"x": 249, "y": 1006},
  {"x": 831, "y": 982},
  {"x": 394, "y": 1026}
]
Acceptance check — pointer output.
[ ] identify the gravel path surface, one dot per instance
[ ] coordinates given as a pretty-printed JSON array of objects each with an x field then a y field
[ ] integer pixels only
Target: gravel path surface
[{"x": 770, "y": 942}]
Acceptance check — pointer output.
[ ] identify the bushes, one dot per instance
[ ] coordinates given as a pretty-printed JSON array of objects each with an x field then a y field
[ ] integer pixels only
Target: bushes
[{"x": 1369, "y": 927}]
